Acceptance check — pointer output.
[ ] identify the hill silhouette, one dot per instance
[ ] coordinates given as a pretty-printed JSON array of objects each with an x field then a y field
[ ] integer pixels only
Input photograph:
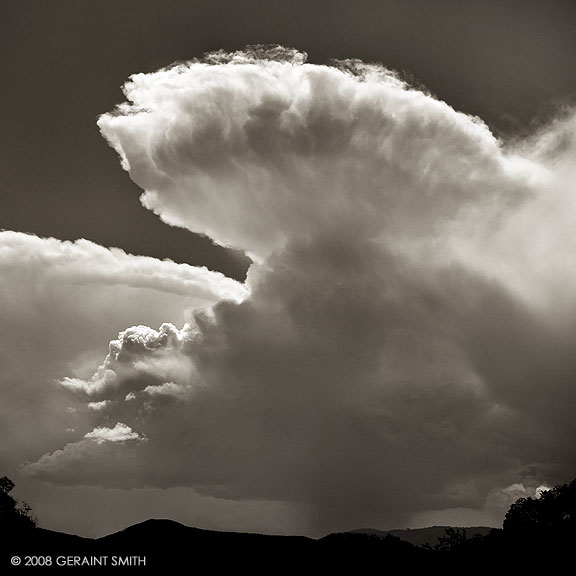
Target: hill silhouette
[
  {"x": 165, "y": 546},
  {"x": 537, "y": 533},
  {"x": 430, "y": 536}
]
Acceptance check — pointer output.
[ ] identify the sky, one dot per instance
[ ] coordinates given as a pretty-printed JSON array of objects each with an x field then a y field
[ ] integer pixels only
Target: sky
[{"x": 310, "y": 287}]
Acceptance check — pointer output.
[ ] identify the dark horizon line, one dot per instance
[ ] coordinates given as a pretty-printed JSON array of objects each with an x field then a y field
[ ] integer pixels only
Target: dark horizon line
[{"x": 368, "y": 531}]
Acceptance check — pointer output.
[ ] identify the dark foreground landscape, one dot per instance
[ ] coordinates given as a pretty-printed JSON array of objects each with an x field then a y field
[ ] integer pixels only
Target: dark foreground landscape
[
  {"x": 160, "y": 545},
  {"x": 537, "y": 533}
]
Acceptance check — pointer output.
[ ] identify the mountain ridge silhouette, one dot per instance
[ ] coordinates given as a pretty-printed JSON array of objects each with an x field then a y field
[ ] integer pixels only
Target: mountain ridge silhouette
[
  {"x": 166, "y": 543},
  {"x": 166, "y": 546}
]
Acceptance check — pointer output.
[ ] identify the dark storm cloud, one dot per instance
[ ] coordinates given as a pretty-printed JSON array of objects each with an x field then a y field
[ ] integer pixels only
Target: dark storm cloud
[{"x": 405, "y": 343}]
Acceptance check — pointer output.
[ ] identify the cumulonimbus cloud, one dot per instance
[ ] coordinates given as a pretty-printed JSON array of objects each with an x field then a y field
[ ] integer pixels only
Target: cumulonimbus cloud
[
  {"x": 405, "y": 343},
  {"x": 61, "y": 303}
]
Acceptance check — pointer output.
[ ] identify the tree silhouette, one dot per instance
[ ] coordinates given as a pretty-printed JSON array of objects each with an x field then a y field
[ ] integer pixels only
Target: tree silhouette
[
  {"x": 549, "y": 519},
  {"x": 14, "y": 515},
  {"x": 452, "y": 539}
]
